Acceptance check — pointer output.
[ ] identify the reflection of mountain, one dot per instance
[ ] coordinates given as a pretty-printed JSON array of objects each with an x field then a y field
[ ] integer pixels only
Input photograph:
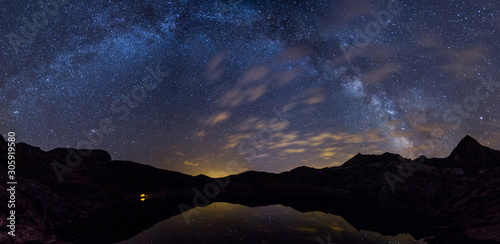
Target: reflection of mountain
[
  {"x": 234, "y": 223},
  {"x": 450, "y": 200}
]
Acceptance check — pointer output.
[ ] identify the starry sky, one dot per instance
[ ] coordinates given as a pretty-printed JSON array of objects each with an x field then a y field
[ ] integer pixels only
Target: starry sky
[{"x": 272, "y": 85}]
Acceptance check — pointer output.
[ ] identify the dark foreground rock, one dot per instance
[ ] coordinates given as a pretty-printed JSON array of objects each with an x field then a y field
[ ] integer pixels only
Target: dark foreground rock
[{"x": 98, "y": 191}]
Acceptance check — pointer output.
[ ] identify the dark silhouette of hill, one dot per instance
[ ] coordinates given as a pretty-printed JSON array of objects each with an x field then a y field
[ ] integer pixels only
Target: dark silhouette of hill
[
  {"x": 472, "y": 156},
  {"x": 97, "y": 202},
  {"x": 360, "y": 159},
  {"x": 450, "y": 200}
]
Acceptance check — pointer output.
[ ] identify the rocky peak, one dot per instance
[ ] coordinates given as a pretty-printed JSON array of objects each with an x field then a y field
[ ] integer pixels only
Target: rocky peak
[
  {"x": 361, "y": 159},
  {"x": 468, "y": 145},
  {"x": 470, "y": 155}
]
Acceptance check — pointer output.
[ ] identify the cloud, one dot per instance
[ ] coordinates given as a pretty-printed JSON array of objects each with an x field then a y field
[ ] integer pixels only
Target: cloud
[
  {"x": 214, "y": 69},
  {"x": 312, "y": 96},
  {"x": 428, "y": 40},
  {"x": 191, "y": 164},
  {"x": 353, "y": 139},
  {"x": 344, "y": 12},
  {"x": 345, "y": 138},
  {"x": 465, "y": 62},
  {"x": 250, "y": 123},
  {"x": 492, "y": 139},
  {"x": 214, "y": 119},
  {"x": 254, "y": 74},
  {"x": 328, "y": 149},
  {"x": 285, "y": 140},
  {"x": 290, "y": 55},
  {"x": 262, "y": 156},
  {"x": 374, "y": 135},
  {"x": 233, "y": 140},
  {"x": 255, "y": 92},
  {"x": 380, "y": 74},
  {"x": 319, "y": 139},
  {"x": 327, "y": 155},
  {"x": 236, "y": 96},
  {"x": 434, "y": 129},
  {"x": 289, "y": 106},
  {"x": 200, "y": 134},
  {"x": 314, "y": 100},
  {"x": 232, "y": 98},
  {"x": 255, "y": 123},
  {"x": 298, "y": 150},
  {"x": 284, "y": 77},
  {"x": 399, "y": 133},
  {"x": 394, "y": 122}
]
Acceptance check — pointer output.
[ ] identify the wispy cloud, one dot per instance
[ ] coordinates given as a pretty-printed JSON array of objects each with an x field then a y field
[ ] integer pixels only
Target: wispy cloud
[
  {"x": 380, "y": 74},
  {"x": 233, "y": 140},
  {"x": 256, "y": 123},
  {"x": 200, "y": 134},
  {"x": 254, "y": 74},
  {"x": 286, "y": 140},
  {"x": 216, "y": 118},
  {"x": 214, "y": 68},
  {"x": 464, "y": 62},
  {"x": 188, "y": 163},
  {"x": 312, "y": 96},
  {"x": 293, "y": 150},
  {"x": 237, "y": 96},
  {"x": 327, "y": 155}
]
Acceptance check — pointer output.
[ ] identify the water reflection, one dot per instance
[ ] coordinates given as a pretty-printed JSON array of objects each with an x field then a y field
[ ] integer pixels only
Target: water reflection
[{"x": 232, "y": 223}]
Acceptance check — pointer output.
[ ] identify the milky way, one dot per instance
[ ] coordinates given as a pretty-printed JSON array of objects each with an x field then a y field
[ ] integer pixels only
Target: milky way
[{"x": 273, "y": 85}]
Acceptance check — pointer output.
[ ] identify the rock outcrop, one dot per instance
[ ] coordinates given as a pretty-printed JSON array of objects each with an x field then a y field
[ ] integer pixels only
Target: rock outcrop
[{"x": 50, "y": 211}]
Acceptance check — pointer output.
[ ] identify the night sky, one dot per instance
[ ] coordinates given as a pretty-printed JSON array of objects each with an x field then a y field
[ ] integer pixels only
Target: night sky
[{"x": 192, "y": 85}]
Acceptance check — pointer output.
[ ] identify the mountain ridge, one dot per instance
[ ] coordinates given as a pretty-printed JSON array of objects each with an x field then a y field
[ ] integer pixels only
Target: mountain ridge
[{"x": 100, "y": 191}]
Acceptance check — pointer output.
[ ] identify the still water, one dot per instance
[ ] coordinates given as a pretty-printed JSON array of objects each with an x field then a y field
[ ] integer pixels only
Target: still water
[{"x": 232, "y": 223}]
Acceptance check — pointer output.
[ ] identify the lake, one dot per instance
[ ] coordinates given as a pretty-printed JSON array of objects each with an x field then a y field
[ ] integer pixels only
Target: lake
[{"x": 222, "y": 222}]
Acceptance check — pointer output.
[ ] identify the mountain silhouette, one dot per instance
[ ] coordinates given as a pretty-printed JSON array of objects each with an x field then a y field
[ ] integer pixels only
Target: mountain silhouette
[
  {"x": 472, "y": 156},
  {"x": 360, "y": 159},
  {"x": 442, "y": 200}
]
